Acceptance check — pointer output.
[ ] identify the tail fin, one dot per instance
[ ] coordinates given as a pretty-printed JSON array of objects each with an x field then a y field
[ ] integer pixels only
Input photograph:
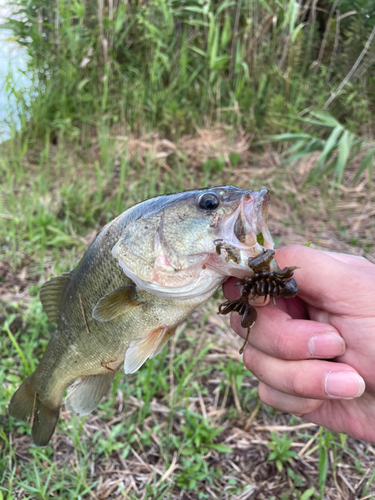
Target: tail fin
[{"x": 27, "y": 406}]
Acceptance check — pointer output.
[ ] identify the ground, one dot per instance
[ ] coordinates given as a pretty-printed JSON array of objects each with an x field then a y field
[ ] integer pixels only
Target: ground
[{"x": 189, "y": 424}]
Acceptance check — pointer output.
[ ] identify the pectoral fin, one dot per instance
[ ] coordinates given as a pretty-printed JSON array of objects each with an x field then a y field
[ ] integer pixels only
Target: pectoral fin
[
  {"x": 140, "y": 350},
  {"x": 115, "y": 303},
  {"x": 84, "y": 396}
]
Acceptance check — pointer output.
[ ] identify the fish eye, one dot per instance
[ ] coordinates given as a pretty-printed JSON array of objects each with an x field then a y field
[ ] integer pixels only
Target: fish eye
[{"x": 208, "y": 201}]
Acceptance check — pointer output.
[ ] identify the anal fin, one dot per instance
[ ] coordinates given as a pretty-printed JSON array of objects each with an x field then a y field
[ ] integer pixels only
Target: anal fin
[
  {"x": 140, "y": 350},
  {"x": 85, "y": 395}
]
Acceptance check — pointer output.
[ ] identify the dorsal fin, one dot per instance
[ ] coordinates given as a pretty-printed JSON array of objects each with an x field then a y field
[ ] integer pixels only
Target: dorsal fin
[
  {"x": 115, "y": 303},
  {"x": 50, "y": 295}
]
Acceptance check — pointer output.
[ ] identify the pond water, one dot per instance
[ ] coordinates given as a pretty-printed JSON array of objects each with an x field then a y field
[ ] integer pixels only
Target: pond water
[{"x": 13, "y": 73}]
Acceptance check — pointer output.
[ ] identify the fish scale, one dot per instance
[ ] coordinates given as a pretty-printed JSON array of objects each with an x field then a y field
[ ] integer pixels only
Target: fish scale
[{"x": 146, "y": 271}]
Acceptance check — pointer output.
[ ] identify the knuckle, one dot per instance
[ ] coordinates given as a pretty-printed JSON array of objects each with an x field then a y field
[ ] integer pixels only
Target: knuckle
[
  {"x": 290, "y": 253},
  {"x": 265, "y": 394},
  {"x": 297, "y": 382},
  {"x": 287, "y": 251},
  {"x": 285, "y": 402},
  {"x": 282, "y": 347},
  {"x": 309, "y": 406},
  {"x": 250, "y": 359}
]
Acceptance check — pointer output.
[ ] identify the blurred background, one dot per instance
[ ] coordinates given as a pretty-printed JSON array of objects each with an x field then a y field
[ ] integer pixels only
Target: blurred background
[{"x": 105, "y": 104}]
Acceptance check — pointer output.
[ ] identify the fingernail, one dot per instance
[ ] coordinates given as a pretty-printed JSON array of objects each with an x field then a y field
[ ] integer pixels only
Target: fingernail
[
  {"x": 344, "y": 385},
  {"x": 326, "y": 345}
]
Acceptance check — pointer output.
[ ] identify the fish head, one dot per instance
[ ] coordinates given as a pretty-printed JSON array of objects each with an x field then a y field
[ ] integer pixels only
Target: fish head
[{"x": 188, "y": 243}]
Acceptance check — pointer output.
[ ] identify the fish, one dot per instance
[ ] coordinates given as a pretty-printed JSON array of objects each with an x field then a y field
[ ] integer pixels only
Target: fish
[{"x": 145, "y": 272}]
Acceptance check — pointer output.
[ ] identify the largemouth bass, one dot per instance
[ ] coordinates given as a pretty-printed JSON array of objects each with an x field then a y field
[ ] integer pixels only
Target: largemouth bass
[{"x": 146, "y": 271}]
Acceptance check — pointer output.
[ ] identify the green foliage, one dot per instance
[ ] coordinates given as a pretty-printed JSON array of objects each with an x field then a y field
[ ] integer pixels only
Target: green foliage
[
  {"x": 214, "y": 164},
  {"x": 200, "y": 435},
  {"x": 43, "y": 475},
  {"x": 194, "y": 470},
  {"x": 325, "y": 438},
  {"x": 49, "y": 209},
  {"x": 171, "y": 64},
  {"x": 234, "y": 159},
  {"x": 307, "y": 494},
  {"x": 260, "y": 239},
  {"x": 77, "y": 197},
  {"x": 366, "y": 489},
  {"x": 337, "y": 148},
  {"x": 281, "y": 453},
  {"x": 126, "y": 67}
]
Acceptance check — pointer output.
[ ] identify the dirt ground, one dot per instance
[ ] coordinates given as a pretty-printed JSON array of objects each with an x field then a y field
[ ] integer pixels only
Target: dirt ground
[{"x": 336, "y": 219}]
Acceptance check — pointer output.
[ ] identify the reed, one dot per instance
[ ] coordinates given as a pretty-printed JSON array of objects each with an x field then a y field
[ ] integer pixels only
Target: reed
[{"x": 174, "y": 65}]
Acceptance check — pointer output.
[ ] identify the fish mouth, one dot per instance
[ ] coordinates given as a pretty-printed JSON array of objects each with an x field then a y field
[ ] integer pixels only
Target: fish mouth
[{"x": 248, "y": 225}]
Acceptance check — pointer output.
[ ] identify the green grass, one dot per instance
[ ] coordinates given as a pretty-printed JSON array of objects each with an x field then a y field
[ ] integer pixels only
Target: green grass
[
  {"x": 176, "y": 427},
  {"x": 137, "y": 428},
  {"x": 337, "y": 150},
  {"x": 152, "y": 422},
  {"x": 174, "y": 65},
  {"x": 182, "y": 415},
  {"x": 269, "y": 68},
  {"x": 49, "y": 205}
]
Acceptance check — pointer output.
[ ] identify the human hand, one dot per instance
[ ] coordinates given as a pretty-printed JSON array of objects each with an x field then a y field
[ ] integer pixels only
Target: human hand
[{"x": 314, "y": 355}]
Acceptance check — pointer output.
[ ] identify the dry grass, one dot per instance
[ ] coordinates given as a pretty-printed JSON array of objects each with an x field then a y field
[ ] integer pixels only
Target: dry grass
[
  {"x": 340, "y": 221},
  {"x": 247, "y": 433}
]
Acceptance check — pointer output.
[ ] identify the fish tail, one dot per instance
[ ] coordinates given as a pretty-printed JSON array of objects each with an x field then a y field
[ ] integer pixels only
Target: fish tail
[{"x": 27, "y": 406}]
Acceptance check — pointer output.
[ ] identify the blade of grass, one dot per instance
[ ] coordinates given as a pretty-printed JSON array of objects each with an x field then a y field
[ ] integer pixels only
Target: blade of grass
[
  {"x": 367, "y": 162},
  {"x": 345, "y": 146},
  {"x": 17, "y": 347}
]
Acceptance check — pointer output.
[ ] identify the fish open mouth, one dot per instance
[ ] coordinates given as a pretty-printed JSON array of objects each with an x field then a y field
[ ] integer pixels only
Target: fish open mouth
[{"x": 247, "y": 227}]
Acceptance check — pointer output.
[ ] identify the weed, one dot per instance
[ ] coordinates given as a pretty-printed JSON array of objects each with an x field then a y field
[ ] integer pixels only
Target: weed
[
  {"x": 172, "y": 65},
  {"x": 281, "y": 453},
  {"x": 337, "y": 149},
  {"x": 104, "y": 75},
  {"x": 200, "y": 435}
]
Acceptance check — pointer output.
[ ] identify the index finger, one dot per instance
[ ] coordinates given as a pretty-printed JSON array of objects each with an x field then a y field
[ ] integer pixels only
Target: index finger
[
  {"x": 328, "y": 281},
  {"x": 324, "y": 278},
  {"x": 352, "y": 260}
]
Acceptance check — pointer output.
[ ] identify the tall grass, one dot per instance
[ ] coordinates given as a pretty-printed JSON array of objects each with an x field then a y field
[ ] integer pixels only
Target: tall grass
[
  {"x": 174, "y": 64},
  {"x": 102, "y": 69}
]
